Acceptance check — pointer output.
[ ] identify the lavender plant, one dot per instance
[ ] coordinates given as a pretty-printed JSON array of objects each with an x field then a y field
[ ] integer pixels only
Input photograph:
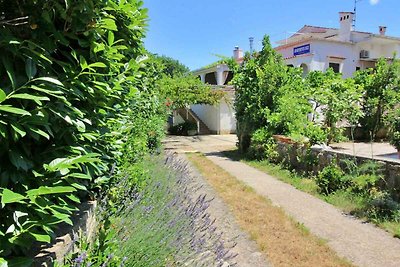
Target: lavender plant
[{"x": 160, "y": 225}]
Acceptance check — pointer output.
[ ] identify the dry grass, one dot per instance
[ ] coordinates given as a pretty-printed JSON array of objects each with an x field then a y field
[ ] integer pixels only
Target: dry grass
[{"x": 282, "y": 240}]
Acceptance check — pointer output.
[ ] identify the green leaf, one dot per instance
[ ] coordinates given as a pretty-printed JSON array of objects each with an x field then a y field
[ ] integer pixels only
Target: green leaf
[
  {"x": 98, "y": 65},
  {"x": 74, "y": 198},
  {"x": 40, "y": 132},
  {"x": 37, "y": 99},
  {"x": 3, "y": 263},
  {"x": 3, "y": 96},
  {"x": 19, "y": 160},
  {"x": 30, "y": 68},
  {"x": 50, "y": 80},
  {"x": 10, "y": 71},
  {"x": 110, "y": 38},
  {"x": 83, "y": 62},
  {"x": 79, "y": 186},
  {"x": 18, "y": 129},
  {"x": 20, "y": 262},
  {"x": 63, "y": 217},
  {"x": 108, "y": 24},
  {"x": 80, "y": 176},
  {"x": 54, "y": 93},
  {"x": 8, "y": 196},
  {"x": 10, "y": 109},
  {"x": 46, "y": 190},
  {"x": 41, "y": 237}
]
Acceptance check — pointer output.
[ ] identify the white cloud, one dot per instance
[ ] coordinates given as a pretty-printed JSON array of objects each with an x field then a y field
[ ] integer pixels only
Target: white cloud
[{"x": 374, "y": 2}]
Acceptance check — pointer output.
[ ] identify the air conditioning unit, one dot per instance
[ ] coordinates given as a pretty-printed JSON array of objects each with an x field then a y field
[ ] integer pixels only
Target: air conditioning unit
[{"x": 364, "y": 54}]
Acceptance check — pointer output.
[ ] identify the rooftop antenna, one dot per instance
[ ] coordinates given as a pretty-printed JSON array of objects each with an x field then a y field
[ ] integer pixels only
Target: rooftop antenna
[
  {"x": 251, "y": 39},
  {"x": 355, "y": 14}
]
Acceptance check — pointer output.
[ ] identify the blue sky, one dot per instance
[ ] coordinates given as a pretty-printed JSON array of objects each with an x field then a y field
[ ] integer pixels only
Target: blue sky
[{"x": 194, "y": 31}]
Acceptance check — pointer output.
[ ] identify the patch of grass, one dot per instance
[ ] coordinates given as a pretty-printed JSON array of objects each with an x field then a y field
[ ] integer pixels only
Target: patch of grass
[
  {"x": 392, "y": 227},
  {"x": 305, "y": 184},
  {"x": 284, "y": 241},
  {"x": 349, "y": 202},
  {"x": 346, "y": 201}
]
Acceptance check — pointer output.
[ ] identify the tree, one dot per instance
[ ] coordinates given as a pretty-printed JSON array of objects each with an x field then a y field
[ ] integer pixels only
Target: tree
[
  {"x": 381, "y": 94},
  {"x": 336, "y": 98},
  {"x": 257, "y": 84},
  {"x": 182, "y": 91},
  {"x": 171, "y": 67}
]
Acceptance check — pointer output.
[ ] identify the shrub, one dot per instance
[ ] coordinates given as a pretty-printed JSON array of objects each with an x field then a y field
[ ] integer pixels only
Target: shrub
[
  {"x": 68, "y": 93},
  {"x": 183, "y": 128},
  {"x": 263, "y": 146},
  {"x": 315, "y": 134},
  {"x": 331, "y": 179},
  {"x": 394, "y": 136}
]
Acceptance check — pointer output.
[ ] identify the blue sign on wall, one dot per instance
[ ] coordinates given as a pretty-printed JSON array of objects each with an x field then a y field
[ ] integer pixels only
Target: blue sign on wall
[{"x": 301, "y": 50}]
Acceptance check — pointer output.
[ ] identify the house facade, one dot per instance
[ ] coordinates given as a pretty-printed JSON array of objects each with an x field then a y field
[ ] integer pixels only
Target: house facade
[
  {"x": 343, "y": 49},
  {"x": 312, "y": 48}
]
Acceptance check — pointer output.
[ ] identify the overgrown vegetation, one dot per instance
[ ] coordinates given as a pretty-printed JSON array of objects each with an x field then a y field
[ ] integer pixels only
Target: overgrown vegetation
[
  {"x": 353, "y": 188},
  {"x": 80, "y": 102},
  {"x": 277, "y": 100},
  {"x": 160, "y": 225}
]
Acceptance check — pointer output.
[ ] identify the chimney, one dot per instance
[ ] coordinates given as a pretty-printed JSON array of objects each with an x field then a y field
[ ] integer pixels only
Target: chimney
[
  {"x": 346, "y": 26},
  {"x": 237, "y": 53},
  {"x": 382, "y": 30}
]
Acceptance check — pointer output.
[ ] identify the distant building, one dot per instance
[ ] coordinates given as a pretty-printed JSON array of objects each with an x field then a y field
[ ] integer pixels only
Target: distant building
[
  {"x": 312, "y": 48},
  {"x": 220, "y": 119},
  {"x": 344, "y": 50}
]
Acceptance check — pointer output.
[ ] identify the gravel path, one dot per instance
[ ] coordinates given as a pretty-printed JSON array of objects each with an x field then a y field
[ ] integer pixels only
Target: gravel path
[
  {"x": 362, "y": 243},
  {"x": 247, "y": 252}
]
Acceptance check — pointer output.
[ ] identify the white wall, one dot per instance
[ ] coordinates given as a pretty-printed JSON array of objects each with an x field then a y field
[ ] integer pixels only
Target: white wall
[
  {"x": 219, "y": 119},
  {"x": 227, "y": 118},
  {"x": 320, "y": 51},
  {"x": 324, "y": 51},
  {"x": 208, "y": 114}
]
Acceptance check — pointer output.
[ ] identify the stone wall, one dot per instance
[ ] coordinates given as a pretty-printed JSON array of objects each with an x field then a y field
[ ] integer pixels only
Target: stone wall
[
  {"x": 314, "y": 159},
  {"x": 84, "y": 224}
]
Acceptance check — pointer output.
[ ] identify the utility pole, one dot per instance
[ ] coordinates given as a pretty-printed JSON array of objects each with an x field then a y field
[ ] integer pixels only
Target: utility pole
[{"x": 251, "y": 40}]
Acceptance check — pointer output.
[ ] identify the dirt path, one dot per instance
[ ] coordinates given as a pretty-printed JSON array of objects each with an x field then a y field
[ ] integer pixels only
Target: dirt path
[
  {"x": 362, "y": 243},
  {"x": 247, "y": 252}
]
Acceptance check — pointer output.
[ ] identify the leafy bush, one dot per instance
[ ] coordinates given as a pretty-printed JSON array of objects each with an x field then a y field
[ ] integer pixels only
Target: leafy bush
[
  {"x": 263, "y": 146},
  {"x": 394, "y": 136},
  {"x": 71, "y": 101},
  {"x": 183, "y": 128},
  {"x": 331, "y": 179},
  {"x": 315, "y": 134},
  {"x": 381, "y": 94}
]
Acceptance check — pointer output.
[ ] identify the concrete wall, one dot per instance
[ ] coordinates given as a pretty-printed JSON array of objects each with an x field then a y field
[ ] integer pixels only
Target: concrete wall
[
  {"x": 208, "y": 114},
  {"x": 220, "y": 119},
  {"x": 227, "y": 119}
]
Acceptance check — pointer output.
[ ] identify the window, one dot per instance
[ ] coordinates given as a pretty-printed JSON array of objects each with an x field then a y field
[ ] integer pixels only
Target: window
[
  {"x": 335, "y": 67},
  {"x": 358, "y": 68},
  {"x": 305, "y": 69}
]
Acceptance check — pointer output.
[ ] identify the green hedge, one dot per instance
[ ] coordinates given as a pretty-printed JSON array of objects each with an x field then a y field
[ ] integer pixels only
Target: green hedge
[{"x": 74, "y": 93}]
